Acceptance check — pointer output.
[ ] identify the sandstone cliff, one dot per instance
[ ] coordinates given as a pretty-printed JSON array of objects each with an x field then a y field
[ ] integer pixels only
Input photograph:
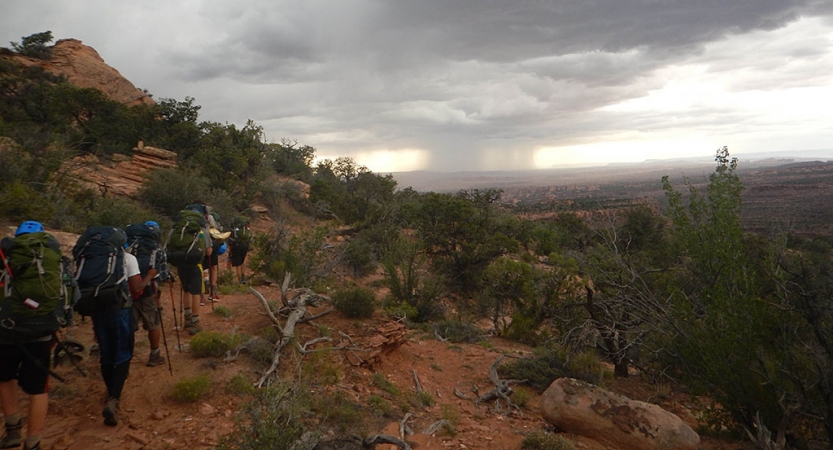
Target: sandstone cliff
[{"x": 85, "y": 68}]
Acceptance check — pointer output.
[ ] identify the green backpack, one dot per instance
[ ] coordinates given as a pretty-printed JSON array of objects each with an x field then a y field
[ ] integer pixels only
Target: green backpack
[
  {"x": 186, "y": 246},
  {"x": 37, "y": 297},
  {"x": 241, "y": 235}
]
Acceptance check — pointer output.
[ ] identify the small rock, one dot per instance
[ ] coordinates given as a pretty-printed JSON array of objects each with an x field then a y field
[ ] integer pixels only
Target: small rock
[{"x": 206, "y": 409}]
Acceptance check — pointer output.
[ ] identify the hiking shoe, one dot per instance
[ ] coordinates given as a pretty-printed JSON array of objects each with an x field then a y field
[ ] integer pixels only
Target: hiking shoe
[
  {"x": 12, "y": 437},
  {"x": 34, "y": 447},
  {"x": 109, "y": 412},
  {"x": 155, "y": 360}
]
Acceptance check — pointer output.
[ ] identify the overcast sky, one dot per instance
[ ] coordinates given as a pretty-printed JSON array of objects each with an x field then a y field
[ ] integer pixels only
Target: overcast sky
[{"x": 474, "y": 84}]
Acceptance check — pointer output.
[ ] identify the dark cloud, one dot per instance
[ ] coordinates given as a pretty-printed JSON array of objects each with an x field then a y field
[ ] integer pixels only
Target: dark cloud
[{"x": 473, "y": 83}]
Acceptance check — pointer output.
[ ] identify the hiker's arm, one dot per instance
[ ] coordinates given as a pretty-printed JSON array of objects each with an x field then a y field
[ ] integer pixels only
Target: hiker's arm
[
  {"x": 136, "y": 286},
  {"x": 149, "y": 277}
]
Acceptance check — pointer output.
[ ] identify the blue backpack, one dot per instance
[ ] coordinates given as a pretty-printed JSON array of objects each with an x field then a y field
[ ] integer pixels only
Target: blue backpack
[{"x": 99, "y": 271}]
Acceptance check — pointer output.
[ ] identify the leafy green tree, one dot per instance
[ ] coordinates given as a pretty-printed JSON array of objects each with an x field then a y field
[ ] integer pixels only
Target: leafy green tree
[
  {"x": 290, "y": 159},
  {"x": 463, "y": 234},
  {"x": 35, "y": 45},
  {"x": 509, "y": 287},
  {"x": 722, "y": 336},
  {"x": 351, "y": 192},
  {"x": 168, "y": 191}
]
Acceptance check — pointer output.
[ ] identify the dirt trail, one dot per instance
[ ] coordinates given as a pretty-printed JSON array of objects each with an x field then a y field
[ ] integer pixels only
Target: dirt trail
[{"x": 149, "y": 419}]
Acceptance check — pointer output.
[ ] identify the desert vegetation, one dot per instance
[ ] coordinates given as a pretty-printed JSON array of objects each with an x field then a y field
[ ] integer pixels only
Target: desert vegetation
[{"x": 678, "y": 290}]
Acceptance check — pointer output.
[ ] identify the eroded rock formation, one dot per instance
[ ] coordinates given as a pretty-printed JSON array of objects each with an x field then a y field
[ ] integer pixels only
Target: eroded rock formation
[
  {"x": 123, "y": 175},
  {"x": 85, "y": 68}
]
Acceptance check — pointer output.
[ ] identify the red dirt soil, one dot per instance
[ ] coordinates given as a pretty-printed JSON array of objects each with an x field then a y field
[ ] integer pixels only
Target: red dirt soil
[{"x": 150, "y": 419}]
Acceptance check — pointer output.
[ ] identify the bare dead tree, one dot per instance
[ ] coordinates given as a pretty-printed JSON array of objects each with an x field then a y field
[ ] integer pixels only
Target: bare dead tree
[{"x": 297, "y": 306}]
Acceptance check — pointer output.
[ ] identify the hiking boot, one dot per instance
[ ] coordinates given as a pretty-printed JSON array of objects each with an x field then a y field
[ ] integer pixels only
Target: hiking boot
[
  {"x": 155, "y": 360},
  {"x": 193, "y": 327},
  {"x": 34, "y": 447},
  {"x": 109, "y": 412},
  {"x": 12, "y": 437}
]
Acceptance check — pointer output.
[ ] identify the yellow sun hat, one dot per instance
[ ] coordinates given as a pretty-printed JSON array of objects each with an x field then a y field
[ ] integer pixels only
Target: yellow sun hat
[{"x": 218, "y": 235}]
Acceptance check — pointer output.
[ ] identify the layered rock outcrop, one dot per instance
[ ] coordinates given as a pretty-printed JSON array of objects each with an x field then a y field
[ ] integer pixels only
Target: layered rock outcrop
[{"x": 124, "y": 174}]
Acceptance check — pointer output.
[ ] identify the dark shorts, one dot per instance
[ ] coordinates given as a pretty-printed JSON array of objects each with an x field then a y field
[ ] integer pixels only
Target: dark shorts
[
  {"x": 191, "y": 279},
  {"x": 238, "y": 256},
  {"x": 32, "y": 377},
  {"x": 114, "y": 333},
  {"x": 147, "y": 312},
  {"x": 210, "y": 261}
]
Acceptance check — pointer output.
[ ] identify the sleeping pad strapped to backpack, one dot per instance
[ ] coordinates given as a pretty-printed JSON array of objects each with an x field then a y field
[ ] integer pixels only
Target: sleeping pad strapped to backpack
[
  {"x": 144, "y": 242},
  {"x": 99, "y": 270},
  {"x": 37, "y": 297},
  {"x": 186, "y": 246}
]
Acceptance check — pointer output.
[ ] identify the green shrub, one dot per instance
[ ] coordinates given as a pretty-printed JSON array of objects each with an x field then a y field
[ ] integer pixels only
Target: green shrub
[
  {"x": 451, "y": 414},
  {"x": 379, "y": 405},
  {"x": 338, "y": 410},
  {"x": 240, "y": 385},
  {"x": 319, "y": 368},
  {"x": 170, "y": 190},
  {"x": 192, "y": 389},
  {"x": 358, "y": 256},
  {"x": 273, "y": 420},
  {"x": 425, "y": 398},
  {"x": 542, "y": 440},
  {"x": 546, "y": 365},
  {"x": 355, "y": 303},
  {"x": 521, "y": 396},
  {"x": 262, "y": 350},
  {"x": 19, "y": 202},
  {"x": 222, "y": 311},
  {"x": 399, "y": 309},
  {"x": 384, "y": 384},
  {"x": 457, "y": 331},
  {"x": 116, "y": 212},
  {"x": 207, "y": 344}
]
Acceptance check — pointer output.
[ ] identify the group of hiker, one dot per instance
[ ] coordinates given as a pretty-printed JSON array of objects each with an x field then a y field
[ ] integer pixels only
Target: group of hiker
[{"x": 114, "y": 277}]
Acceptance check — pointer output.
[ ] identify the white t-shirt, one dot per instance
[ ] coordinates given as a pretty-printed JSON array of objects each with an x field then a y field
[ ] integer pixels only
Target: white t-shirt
[{"x": 131, "y": 265}]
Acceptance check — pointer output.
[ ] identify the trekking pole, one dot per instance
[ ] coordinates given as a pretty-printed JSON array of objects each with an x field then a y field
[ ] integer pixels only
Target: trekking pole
[
  {"x": 61, "y": 345},
  {"x": 176, "y": 325},
  {"x": 162, "y": 325}
]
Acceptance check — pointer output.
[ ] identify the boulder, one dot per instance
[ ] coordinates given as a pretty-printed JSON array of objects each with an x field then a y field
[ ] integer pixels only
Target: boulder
[{"x": 580, "y": 408}]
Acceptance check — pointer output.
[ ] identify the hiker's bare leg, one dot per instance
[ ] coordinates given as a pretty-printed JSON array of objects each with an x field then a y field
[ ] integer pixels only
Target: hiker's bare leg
[
  {"x": 154, "y": 336},
  {"x": 195, "y": 304},
  {"x": 8, "y": 397},
  {"x": 38, "y": 406}
]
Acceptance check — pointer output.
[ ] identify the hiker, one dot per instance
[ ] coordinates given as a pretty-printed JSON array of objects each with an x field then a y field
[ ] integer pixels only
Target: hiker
[
  {"x": 190, "y": 242},
  {"x": 26, "y": 357},
  {"x": 144, "y": 242},
  {"x": 239, "y": 246},
  {"x": 212, "y": 262},
  {"x": 109, "y": 279}
]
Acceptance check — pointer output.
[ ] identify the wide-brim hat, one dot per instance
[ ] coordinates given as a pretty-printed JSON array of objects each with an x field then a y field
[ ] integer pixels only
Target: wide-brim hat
[{"x": 218, "y": 235}]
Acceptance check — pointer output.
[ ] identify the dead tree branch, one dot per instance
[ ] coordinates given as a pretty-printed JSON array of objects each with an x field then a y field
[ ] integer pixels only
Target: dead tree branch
[{"x": 297, "y": 310}]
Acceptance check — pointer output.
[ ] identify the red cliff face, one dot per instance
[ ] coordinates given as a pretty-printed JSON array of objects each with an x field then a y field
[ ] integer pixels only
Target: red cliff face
[{"x": 85, "y": 68}]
